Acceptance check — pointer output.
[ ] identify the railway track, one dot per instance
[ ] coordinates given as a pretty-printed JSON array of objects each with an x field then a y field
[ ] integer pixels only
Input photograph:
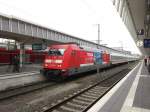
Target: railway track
[
  {"x": 83, "y": 99},
  {"x": 12, "y": 92}
]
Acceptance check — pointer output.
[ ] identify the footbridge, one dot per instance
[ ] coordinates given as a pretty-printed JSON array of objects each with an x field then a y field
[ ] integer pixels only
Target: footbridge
[{"x": 26, "y": 32}]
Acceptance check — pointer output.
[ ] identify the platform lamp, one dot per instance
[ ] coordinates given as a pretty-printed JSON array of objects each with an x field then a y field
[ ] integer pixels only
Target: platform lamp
[
  {"x": 98, "y": 43},
  {"x": 22, "y": 52}
]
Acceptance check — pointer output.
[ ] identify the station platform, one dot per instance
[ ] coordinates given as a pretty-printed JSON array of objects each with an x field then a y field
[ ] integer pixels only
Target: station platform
[
  {"x": 28, "y": 74},
  {"x": 7, "y": 69},
  {"x": 131, "y": 94}
]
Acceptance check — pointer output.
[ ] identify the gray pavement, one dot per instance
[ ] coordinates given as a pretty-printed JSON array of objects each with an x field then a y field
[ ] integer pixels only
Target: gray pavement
[
  {"x": 132, "y": 94},
  {"x": 29, "y": 74},
  {"x": 142, "y": 96},
  {"x": 115, "y": 103}
]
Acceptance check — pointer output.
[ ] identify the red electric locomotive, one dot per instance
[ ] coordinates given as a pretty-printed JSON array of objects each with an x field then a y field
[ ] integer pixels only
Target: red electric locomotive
[{"x": 67, "y": 59}]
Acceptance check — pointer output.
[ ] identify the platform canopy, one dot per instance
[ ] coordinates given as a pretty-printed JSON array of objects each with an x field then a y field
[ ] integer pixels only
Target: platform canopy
[
  {"x": 27, "y": 32},
  {"x": 136, "y": 16}
]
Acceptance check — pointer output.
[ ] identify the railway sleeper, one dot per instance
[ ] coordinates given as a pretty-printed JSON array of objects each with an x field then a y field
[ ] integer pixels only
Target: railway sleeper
[
  {"x": 93, "y": 92},
  {"x": 98, "y": 90},
  {"x": 89, "y": 96},
  {"x": 81, "y": 102},
  {"x": 100, "y": 87},
  {"x": 65, "y": 108},
  {"x": 55, "y": 111},
  {"x": 84, "y": 99},
  {"x": 76, "y": 105}
]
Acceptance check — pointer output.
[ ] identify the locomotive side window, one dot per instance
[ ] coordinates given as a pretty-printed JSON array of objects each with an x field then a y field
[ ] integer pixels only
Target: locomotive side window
[
  {"x": 56, "y": 52},
  {"x": 61, "y": 51}
]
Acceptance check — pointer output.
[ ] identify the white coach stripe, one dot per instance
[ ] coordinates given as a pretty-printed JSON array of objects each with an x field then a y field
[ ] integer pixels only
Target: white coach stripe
[{"x": 81, "y": 65}]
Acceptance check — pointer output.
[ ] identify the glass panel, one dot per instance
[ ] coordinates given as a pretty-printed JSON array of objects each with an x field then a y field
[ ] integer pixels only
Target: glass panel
[{"x": 56, "y": 52}]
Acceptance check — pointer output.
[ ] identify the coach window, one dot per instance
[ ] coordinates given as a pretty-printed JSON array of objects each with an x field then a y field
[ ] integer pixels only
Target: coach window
[{"x": 56, "y": 52}]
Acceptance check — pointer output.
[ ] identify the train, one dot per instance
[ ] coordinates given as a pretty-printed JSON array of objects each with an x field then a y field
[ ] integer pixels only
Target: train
[
  {"x": 30, "y": 56},
  {"x": 64, "y": 60}
]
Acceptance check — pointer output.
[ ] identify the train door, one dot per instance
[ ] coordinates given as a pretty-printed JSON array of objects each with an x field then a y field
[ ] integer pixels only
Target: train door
[
  {"x": 104, "y": 57},
  {"x": 108, "y": 55},
  {"x": 74, "y": 58}
]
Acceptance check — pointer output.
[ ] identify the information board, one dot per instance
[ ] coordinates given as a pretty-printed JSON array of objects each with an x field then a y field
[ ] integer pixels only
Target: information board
[
  {"x": 37, "y": 46},
  {"x": 146, "y": 43}
]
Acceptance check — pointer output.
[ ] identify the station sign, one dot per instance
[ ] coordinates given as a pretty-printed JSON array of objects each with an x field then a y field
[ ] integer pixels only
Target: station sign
[
  {"x": 146, "y": 43},
  {"x": 139, "y": 43}
]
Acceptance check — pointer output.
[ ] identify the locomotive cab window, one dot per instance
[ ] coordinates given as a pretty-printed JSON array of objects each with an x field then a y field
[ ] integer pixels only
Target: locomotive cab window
[{"x": 56, "y": 52}]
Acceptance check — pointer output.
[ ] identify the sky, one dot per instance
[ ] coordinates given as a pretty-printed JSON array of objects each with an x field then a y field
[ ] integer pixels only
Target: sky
[{"x": 75, "y": 17}]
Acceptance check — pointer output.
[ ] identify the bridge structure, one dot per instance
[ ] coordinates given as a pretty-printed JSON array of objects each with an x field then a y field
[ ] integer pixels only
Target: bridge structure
[{"x": 26, "y": 32}]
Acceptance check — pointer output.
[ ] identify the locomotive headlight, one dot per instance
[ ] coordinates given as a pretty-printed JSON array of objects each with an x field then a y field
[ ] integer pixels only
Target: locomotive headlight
[
  {"x": 48, "y": 61},
  {"x": 46, "y": 65},
  {"x": 59, "y": 65},
  {"x": 58, "y": 61}
]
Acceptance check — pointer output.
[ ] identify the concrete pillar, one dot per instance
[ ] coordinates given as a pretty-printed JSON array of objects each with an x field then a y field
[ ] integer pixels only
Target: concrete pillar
[
  {"x": 124, "y": 13},
  {"x": 118, "y": 5},
  {"x": 22, "y": 54},
  {"x": 122, "y": 7}
]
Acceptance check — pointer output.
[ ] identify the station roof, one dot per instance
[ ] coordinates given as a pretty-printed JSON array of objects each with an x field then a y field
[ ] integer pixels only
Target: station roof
[
  {"x": 136, "y": 16},
  {"x": 25, "y": 31}
]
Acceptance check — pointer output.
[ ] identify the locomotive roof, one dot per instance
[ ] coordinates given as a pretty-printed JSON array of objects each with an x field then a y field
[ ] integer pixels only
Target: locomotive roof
[
  {"x": 90, "y": 49},
  {"x": 65, "y": 43},
  {"x": 81, "y": 47}
]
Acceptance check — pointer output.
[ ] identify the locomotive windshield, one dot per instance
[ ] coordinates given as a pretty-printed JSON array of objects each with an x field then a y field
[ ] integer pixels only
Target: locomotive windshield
[{"x": 56, "y": 52}]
